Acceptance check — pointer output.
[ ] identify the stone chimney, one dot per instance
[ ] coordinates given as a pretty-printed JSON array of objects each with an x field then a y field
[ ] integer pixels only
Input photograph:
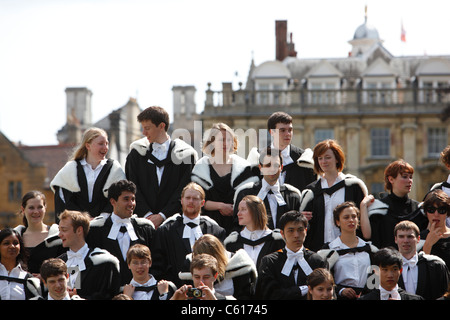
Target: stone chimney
[{"x": 283, "y": 47}]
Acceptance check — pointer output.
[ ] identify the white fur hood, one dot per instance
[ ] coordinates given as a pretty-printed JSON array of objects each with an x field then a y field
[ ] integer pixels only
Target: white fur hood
[
  {"x": 181, "y": 152},
  {"x": 67, "y": 177},
  {"x": 201, "y": 172}
]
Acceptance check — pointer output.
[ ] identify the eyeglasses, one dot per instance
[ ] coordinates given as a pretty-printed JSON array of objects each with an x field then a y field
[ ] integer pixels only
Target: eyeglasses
[{"x": 440, "y": 210}]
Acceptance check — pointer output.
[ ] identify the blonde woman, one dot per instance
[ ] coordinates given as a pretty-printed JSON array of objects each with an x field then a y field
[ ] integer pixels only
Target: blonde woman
[
  {"x": 220, "y": 172},
  {"x": 82, "y": 184}
]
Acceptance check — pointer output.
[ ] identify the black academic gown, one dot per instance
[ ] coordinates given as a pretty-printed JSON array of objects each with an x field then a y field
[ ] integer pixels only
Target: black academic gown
[
  {"x": 396, "y": 209},
  {"x": 299, "y": 173},
  {"x": 375, "y": 295},
  {"x": 141, "y": 167},
  {"x": 51, "y": 247},
  {"x": 313, "y": 200},
  {"x": 79, "y": 200},
  {"x": 170, "y": 248},
  {"x": 222, "y": 189},
  {"x": 273, "y": 285},
  {"x": 98, "y": 237},
  {"x": 433, "y": 277},
  {"x": 441, "y": 248},
  {"x": 101, "y": 279},
  {"x": 290, "y": 194},
  {"x": 271, "y": 243}
]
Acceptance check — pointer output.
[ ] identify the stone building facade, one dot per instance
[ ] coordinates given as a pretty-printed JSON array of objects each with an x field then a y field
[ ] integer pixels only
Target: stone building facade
[{"x": 379, "y": 107}]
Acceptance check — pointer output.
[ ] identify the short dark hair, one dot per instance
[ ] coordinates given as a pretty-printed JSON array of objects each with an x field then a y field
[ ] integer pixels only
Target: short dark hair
[
  {"x": 116, "y": 189},
  {"x": 156, "y": 115},
  {"x": 439, "y": 198},
  {"x": 388, "y": 256},
  {"x": 53, "y": 267},
  {"x": 269, "y": 152},
  {"x": 278, "y": 117},
  {"x": 292, "y": 216}
]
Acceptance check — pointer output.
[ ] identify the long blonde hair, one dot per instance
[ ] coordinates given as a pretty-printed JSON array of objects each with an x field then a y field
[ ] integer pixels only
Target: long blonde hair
[
  {"x": 89, "y": 135},
  {"x": 211, "y": 245}
]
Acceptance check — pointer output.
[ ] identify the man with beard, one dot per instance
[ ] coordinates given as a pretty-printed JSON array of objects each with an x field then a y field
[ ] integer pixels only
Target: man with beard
[{"x": 176, "y": 236}]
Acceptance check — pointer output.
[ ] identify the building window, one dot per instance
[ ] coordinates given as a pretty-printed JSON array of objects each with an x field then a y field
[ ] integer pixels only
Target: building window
[
  {"x": 376, "y": 188},
  {"x": 323, "y": 134},
  {"x": 380, "y": 138},
  {"x": 14, "y": 191},
  {"x": 437, "y": 141}
]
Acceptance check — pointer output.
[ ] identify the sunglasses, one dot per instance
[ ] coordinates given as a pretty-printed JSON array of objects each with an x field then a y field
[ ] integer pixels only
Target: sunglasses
[{"x": 440, "y": 210}]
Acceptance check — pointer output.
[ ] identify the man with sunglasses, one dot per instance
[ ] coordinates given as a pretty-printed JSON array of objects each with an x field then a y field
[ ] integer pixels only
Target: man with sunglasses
[{"x": 437, "y": 236}]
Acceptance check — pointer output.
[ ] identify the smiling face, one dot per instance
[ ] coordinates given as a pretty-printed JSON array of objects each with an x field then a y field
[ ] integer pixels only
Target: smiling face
[
  {"x": 57, "y": 286},
  {"x": 140, "y": 269},
  {"x": 124, "y": 205},
  {"x": 153, "y": 132},
  {"x": 98, "y": 148},
  {"x": 34, "y": 210}
]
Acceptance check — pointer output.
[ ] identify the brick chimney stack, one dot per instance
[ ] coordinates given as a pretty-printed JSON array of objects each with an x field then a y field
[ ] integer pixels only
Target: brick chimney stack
[{"x": 283, "y": 47}]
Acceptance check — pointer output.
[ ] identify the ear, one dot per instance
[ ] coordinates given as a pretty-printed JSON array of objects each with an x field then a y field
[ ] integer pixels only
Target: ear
[
  {"x": 112, "y": 201},
  {"x": 203, "y": 202},
  {"x": 216, "y": 275}
]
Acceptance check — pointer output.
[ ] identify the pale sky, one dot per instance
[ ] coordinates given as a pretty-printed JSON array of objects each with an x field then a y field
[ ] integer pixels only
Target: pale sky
[{"x": 142, "y": 48}]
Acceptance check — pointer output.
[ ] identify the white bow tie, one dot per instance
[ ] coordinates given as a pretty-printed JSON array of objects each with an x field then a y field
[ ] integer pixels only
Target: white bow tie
[
  {"x": 192, "y": 233},
  {"x": 75, "y": 259},
  {"x": 117, "y": 223},
  {"x": 292, "y": 258},
  {"x": 393, "y": 294},
  {"x": 410, "y": 263},
  {"x": 158, "y": 147},
  {"x": 276, "y": 192}
]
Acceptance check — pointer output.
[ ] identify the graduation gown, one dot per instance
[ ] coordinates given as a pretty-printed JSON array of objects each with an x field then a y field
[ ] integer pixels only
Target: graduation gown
[
  {"x": 313, "y": 200},
  {"x": 170, "y": 248},
  {"x": 375, "y": 295},
  {"x": 271, "y": 243},
  {"x": 385, "y": 213},
  {"x": 290, "y": 194},
  {"x": 98, "y": 237},
  {"x": 71, "y": 179},
  {"x": 240, "y": 269},
  {"x": 141, "y": 168},
  {"x": 51, "y": 247},
  {"x": 33, "y": 287},
  {"x": 101, "y": 279},
  {"x": 300, "y": 173},
  {"x": 273, "y": 285},
  {"x": 441, "y": 248},
  {"x": 433, "y": 277},
  {"x": 222, "y": 189},
  {"x": 332, "y": 257}
]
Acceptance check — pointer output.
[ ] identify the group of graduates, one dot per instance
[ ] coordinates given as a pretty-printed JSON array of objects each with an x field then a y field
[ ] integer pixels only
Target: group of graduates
[{"x": 285, "y": 223}]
